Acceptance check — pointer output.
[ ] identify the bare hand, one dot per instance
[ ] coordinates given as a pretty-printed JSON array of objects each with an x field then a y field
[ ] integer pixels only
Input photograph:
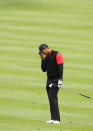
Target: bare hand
[{"x": 42, "y": 56}]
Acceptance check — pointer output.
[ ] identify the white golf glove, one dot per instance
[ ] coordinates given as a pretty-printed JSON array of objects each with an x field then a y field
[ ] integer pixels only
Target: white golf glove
[{"x": 60, "y": 84}]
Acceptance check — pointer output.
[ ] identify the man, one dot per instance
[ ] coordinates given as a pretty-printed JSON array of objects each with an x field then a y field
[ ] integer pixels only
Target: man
[{"x": 52, "y": 63}]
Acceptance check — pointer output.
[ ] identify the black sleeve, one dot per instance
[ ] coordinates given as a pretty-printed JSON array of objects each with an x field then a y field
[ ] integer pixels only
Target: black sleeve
[
  {"x": 44, "y": 65},
  {"x": 60, "y": 66}
]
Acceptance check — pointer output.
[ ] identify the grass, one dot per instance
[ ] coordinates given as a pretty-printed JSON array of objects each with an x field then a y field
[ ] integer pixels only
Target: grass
[{"x": 66, "y": 26}]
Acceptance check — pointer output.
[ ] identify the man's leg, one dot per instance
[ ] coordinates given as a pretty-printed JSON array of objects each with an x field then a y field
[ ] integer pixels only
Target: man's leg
[
  {"x": 53, "y": 100},
  {"x": 51, "y": 107},
  {"x": 54, "y": 103}
]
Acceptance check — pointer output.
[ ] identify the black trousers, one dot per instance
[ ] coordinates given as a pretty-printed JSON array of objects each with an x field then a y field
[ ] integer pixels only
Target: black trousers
[{"x": 53, "y": 99}]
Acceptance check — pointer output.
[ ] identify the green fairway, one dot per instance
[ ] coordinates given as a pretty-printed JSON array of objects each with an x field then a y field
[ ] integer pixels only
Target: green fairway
[{"x": 66, "y": 26}]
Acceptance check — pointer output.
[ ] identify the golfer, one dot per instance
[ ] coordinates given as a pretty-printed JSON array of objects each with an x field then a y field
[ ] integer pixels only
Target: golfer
[{"x": 52, "y": 63}]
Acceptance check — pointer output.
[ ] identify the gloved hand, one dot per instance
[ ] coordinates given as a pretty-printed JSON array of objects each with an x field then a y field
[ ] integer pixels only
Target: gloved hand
[{"x": 60, "y": 84}]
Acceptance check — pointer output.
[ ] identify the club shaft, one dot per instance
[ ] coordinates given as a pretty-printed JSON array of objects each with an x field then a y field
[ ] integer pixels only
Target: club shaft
[{"x": 73, "y": 92}]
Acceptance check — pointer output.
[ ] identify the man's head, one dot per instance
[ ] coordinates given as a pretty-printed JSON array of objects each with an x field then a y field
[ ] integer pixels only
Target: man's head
[{"x": 43, "y": 48}]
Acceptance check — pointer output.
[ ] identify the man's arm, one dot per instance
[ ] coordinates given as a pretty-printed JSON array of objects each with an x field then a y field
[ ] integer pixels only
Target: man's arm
[
  {"x": 60, "y": 61},
  {"x": 43, "y": 62},
  {"x": 60, "y": 71}
]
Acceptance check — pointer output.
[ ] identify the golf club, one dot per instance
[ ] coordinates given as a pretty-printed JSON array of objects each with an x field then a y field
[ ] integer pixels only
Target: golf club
[{"x": 69, "y": 90}]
